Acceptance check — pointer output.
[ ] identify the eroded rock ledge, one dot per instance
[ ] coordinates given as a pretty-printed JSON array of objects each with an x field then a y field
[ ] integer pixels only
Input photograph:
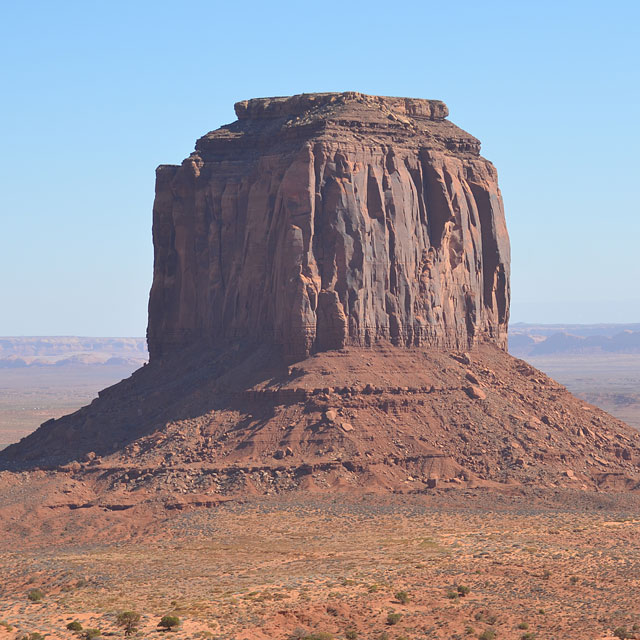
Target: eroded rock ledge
[{"x": 297, "y": 105}]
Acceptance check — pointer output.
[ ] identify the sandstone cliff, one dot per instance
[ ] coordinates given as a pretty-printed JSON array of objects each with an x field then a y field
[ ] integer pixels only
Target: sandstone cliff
[
  {"x": 324, "y": 220},
  {"x": 323, "y": 224}
]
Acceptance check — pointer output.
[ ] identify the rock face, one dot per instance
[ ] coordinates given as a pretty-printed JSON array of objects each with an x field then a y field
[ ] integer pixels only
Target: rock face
[
  {"x": 321, "y": 224},
  {"x": 320, "y": 221}
]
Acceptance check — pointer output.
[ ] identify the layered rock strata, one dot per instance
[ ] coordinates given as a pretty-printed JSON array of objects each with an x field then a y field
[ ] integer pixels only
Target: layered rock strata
[
  {"x": 324, "y": 220},
  {"x": 321, "y": 224},
  {"x": 200, "y": 426}
]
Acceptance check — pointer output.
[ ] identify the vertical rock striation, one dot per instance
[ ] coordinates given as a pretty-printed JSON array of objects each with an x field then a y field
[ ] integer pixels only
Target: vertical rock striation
[{"x": 324, "y": 220}]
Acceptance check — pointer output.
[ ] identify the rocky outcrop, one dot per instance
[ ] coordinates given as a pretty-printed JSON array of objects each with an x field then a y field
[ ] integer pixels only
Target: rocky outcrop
[
  {"x": 322, "y": 224},
  {"x": 324, "y": 220}
]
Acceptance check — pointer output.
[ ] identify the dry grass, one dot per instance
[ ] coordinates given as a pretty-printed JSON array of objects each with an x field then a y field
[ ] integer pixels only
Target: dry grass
[{"x": 266, "y": 569}]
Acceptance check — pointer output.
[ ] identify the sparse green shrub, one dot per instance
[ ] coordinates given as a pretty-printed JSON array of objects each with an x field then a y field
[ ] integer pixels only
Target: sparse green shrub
[
  {"x": 90, "y": 634},
  {"x": 402, "y": 597},
  {"x": 33, "y": 636},
  {"x": 541, "y": 612},
  {"x": 546, "y": 574},
  {"x": 487, "y": 634},
  {"x": 452, "y": 595},
  {"x": 528, "y": 636},
  {"x": 6, "y": 625},
  {"x": 484, "y": 616},
  {"x": 463, "y": 591},
  {"x": 35, "y": 595},
  {"x": 82, "y": 582},
  {"x": 373, "y": 588},
  {"x": 573, "y": 579},
  {"x": 469, "y": 630},
  {"x": 75, "y": 626},
  {"x": 394, "y": 618},
  {"x": 129, "y": 621},
  {"x": 169, "y": 622},
  {"x": 351, "y": 634},
  {"x": 622, "y": 633},
  {"x": 523, "y": 625}
]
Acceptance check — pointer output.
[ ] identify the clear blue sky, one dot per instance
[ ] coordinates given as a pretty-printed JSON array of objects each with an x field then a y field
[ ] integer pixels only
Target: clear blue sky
[{"x": 96, "y": 94}]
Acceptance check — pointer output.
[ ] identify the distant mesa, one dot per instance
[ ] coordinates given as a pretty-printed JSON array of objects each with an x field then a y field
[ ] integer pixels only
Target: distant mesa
[
  {"x": 18, "y": 352},
  {"x": 329, "y": 312},
  {"x": 541, "y": 340}
]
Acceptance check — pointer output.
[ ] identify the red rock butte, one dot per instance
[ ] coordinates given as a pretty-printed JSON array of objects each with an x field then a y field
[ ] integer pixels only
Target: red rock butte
[
  {"x": 324, "y": 220},
  {"x": 329, "y": 311}
]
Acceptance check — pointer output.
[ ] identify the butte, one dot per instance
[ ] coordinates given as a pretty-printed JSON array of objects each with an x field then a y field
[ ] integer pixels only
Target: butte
[{"x": 329, "y": 311}]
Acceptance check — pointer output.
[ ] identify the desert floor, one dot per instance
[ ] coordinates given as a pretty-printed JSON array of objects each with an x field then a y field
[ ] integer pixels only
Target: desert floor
[
  {"x": 551, "y": 565},
  {"x": 610, "y": 381}
]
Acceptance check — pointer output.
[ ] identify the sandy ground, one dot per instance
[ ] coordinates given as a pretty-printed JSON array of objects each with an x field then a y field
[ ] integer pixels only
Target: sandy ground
[
  {"x": 31, "y": 395},
  {"x": 549, "y": 564}
]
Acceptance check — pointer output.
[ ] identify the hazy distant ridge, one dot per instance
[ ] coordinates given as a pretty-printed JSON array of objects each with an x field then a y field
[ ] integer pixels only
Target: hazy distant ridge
[
  {"x": 538, "y": 340},
  {"x": 70, "y": 350},
  {"x": 524, "y": 340}
]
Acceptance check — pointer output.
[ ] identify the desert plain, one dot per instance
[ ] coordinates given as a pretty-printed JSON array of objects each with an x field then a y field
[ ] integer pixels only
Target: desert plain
[
  {"x": 448, "y": 563},
  {"x": 454, "y": 564}
]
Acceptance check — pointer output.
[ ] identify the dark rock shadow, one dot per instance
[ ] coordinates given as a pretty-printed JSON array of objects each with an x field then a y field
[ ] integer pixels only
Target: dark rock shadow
[{"x": 178, "y": 387}]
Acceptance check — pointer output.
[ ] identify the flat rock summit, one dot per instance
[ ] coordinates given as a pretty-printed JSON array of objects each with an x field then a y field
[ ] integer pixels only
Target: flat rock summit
[{"x": 329, "y": 311}]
